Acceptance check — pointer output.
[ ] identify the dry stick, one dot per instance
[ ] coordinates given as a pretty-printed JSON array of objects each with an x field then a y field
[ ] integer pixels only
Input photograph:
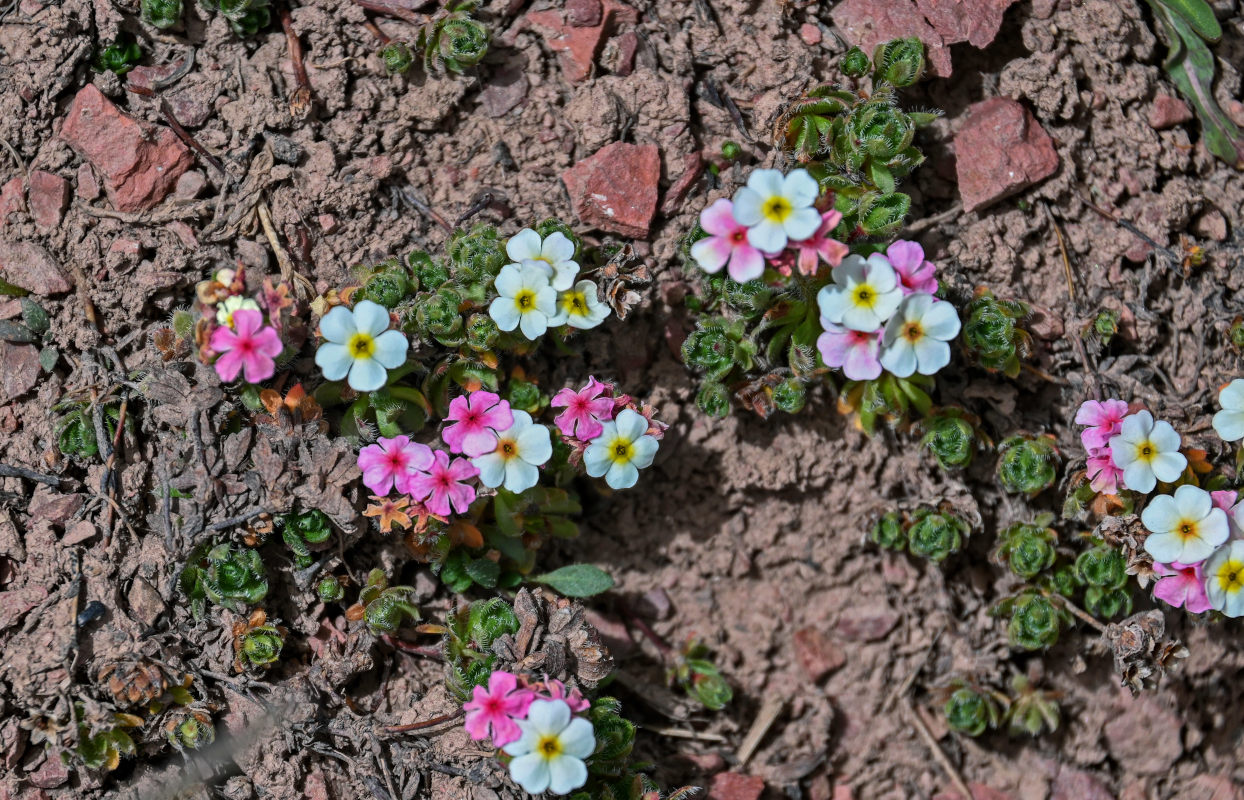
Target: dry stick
[
  {"x": 7, "y": 471},
  {"x": 109, "y": 475},
  {"x": 427, "y": 723},
  {"x": 1045, "y": 376},
  {"x": 397, "y": 12},
  {"x": 238, "y": 520},
  {"x": 423, "y": 208},
  {"x": 1130, "y": 228},
  {"x": 380, "y": 35},
  {"x": 770, "y": 710},
  {"x": 923, "y": 729},
  {"x": 300, "y": 100},
  {"x": 679, "y": 733},
  {"x": 189, "y": 140},
  {"x": 1089, "y": 373},
  {"x": 937, "y": 219},
  {"x": 1083, "y": 615},
  {"x": 187, "y": 64},
  {"x": 302, "y": 286},
  {"x": 1062, "y": 248}
]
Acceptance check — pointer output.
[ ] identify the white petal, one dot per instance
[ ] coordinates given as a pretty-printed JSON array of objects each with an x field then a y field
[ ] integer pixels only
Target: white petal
[
  {"x": 1164, "y": 547},
  {"x": 565, "y": 273},
  {"x": 766, "y": 182},
  {"x": 802, "y": 223},
  {"x": 631, "y": 424},
  {"x": 899, "y": 358},
  {"x": 1122, "y": 452},
  {"x": 338, "y": 325},
  {"x": 881, "y": 273},
  {"x": 747, "y": 206},
  {"x": 1164, "y": 437},
  {"x": 1138, "y": 477},
  {"x": 578, "y": 739},
  {"x": 549, "y": 716},
  {"x": 509, "y": 280},
  {"x": 1161, "y": 515},
  {"x": 526, "y": 742},
  {"x": 557, "y": 248},
  {"x": 546, "y": 300},
  {"x": 534, "y": 444},
  {"x": 533, "y": 324},
  {"x": 334, "y": 359},
  {"x": 531, "y": 772},
  {"x": 1231, "y": 398},
  {"x": 520, "y": 476},
  {"x": 504, "y": 312},
  {"x": 941, "y": 321},
  {"x": 523, "y": 245},
  {"x": 1230, "y": 425},
  {"x": 367, "y": 375},
  {"x": 1136, "y": 427},
  {"x": 709, "y": 255},
  {"x": 801, "y": 188},
  {"x": 767, "y": 236},
  {"x": 645, "y": 449},
  {"x": 622, "y": 475},
  {"x": 566, "y": 774},
  {"x": 371, "y": 318},
  {"x": 916, "y": 306},
  {"x": 391, "y": 348},
  {"x": 860, "y": 319},
  {"x": 1167, "y": 467},
  {"x": 596, "y": 458},
  {"x": 1196, "y": 550},
  {"x": 521, "y": 422},
  {"x": 931, "y": 355},
  {"x": 1193, "y": 502},
  {"x": 887, "y": 302},
  {"x": 853, "y": 269},
  {"x": 491, "y": 469},
  {"x": 833, "y": 302}
]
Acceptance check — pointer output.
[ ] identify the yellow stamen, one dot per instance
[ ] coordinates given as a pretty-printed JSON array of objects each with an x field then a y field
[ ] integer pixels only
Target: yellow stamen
[
  {"x": 777, "y": 209},
  {"x": 864, "y": 295},
  {"x": 362, "y": 346},
  {"x": 550, "y": 747},
  {"x": 1231, "y": 576},
  {"x": 1145, "y": 451},
  {"x": 508, "y": 448},
  {"x": 1186, "y": 529},
  {"x": 525, "y": 300},
  {"x": 913, "y": 332},
  {"x": 620, "y": 450}
]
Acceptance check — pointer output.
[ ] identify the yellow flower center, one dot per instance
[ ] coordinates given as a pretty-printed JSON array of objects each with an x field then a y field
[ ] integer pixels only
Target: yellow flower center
[
  {"x": 525, "y": 300},
  {"x": 913, "y": 332},
  {"x": 776, "y": 209},
  {"x": 508, "y": 448},
  {"x": 1231, "y": 576},
  {"x": 864, "y": 295},
  {"x": 550, "y": 747},
  {"x": 362, "y": 345},
  {"x": 1187, "y": 529},
  {"x": 621, "y": 451},
  {"x": 1145, "y": 451},
  {"x": 575, "y": 303}
]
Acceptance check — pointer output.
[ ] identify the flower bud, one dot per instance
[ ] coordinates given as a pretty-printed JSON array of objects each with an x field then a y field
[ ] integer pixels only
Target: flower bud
[
  {"x": 855, "y": 63},
  {"x": 790, "y": 395},
  {"x": 899, "y": 62},
  {"x": 397, "y": 58}
]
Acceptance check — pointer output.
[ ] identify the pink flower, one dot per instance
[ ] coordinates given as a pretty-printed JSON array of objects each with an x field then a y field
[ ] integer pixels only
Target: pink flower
[
  {"x": 393, "y": 462},
  {"x": 556, "y": 690},
  {"x": 585, "y": 410},
  {"x": 479, "y": 416},
  {"x": 854, "y": 351},
  {"x": 1181, "y": 585},
  {"x": 496, "y": 708},
  {"x": 1104, "y": 476},
  {"x": 819, "y": 246},
  {"x": 914, "y": 273},
  {"x": 727, "y": 242},
  {"x": 441, "y": 486},
  {"x": 1104, "y": 419},
  {"x": 249, "y": 348}
]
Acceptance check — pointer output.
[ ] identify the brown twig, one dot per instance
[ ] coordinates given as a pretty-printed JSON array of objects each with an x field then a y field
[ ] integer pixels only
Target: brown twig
[
  {"x": 423, "y": 208},
  {"x": 1130, "y": 228},
  {"x": 302, "y": 287},
  {"x": 109, "y": 474},
  {"x": 189, "y": 140},
  {"x": 374, "y": 30},
  {"x": 769, "y": 711},
  {"x": 427, "y": 723},
  {"x": 7, "y": 471},
  {"x": 300, "y": 100},
  {"x": 397, "y": 12},
  {"x": 1080, "y": 613},
  {"x": 1062, "y": 249},
  {"x": 238, "y": 520},
  {"x": 923, "y": 729}
]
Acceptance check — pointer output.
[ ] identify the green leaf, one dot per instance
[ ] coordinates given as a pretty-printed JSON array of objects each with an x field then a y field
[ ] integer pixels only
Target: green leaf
[
  {"x": 881, "y": 176},
  {"x": 577, "y": 580},
  {"x": 11, "y": 290},
  {"x": 1199, "y": 16},
  {"x": 484, "y": 571}
]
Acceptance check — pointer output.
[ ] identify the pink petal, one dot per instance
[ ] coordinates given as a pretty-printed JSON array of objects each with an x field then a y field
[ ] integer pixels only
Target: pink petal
[
  {"x": 713, "y": 253},
  {"x": 461, "y": 469},
  {"x": 862, "y": 363},
  {"x": 501, "y": 683},
  {"x": 258, "y": 367},
  {"x": 246, "y": 321},
  {"x": 269, "y": 343},
  {"x": 905, "y": 256},
  {"x": 563, "y": 398},
  {"x": 833, "y": 251},
  {"x": 718, "y": 218},
  {"x": 228, "y": 365},
  {"x": 1172, "y": 591},
  {"x": 458, "y": 407},
  {"x": 477, "y": 723},
  {"x": 504, "y": 731},
  {"x": 746, "y": 263},
  {"x": 500, "y": 417},
  {"x": 461, "y": 496},
  {"x": 478, "y": 442},
  {"x": 834, "y": 346}
]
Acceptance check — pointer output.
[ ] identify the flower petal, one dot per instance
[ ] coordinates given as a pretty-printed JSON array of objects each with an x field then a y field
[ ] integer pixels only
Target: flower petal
[
  {"x": 645, "y": 448},
  {"x": 767, "y": 235},
  {"x": 1164, "y": 437},
  {"x": 718, "y": 218},
  {"x": 391, "y": 348},
  {"x": 711, "y": 254},
  {"x": 881, "y": 274},
  {"x": 338, "y": 325},
  {"x": 531, "y": 772},
  {"x": 596, "y": 458},
  {"x": 557, "y": 248},
  {"x": 899, "y": 358},
  {"x": 1161, "y": 515},
  {"x": 766, "y": 182},
  {"x": 520, "y": 476},
  {"x": 533, "y": 324},
  {"x": 801, "y": 188},
  {"x": 535, "y": 444},
  {"x": 931, "y": 355},
  {"x": 334, "y": 359},
  {"x": 491, "y": 469},
  {"x": 578, "y": 739},
  {"x": 371, "y": 318},
  {"x": 1231, "y": 398},
  {"x": 566, "y": 774},
  {"x": 747, "y": 206},
  {"x": 504, "y": 312},
  {"x": 367, "y": 375},
  {"x": 523, "y": 245},
  {"x": 940, "y": 321},
  {"x": 802, "y": 223},
  {"x": 631, "y": 424},
  {"x": 509, "y": 280},
  {"x": 833, "y": 302},
  {"x": 1167, "y": 467},
  {"x": 622, "y": 475},
  {"x": 1164, "y": 546}
]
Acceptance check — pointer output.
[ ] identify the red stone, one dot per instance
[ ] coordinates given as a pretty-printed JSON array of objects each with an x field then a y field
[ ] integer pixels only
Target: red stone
[
  {"x": 51, "y": 773},
  {"x": 974, "y": 21},
  {"x": 12, "y": 199},
  {"x": 1167, "y": 112},
  {"x": 692, "y": 169},
  {"x": 706, "y": 762},
  {"x": 21, "y": 370},
  {"x": 14, "y": 604},
  {"x": 88, "y": 184},
  {"x": 817, "y": 654},
  {"x": 139, "y": 162},
  {"x": 810, "y": 34},
  {"x": 736, "y": 786},
  {"x": 584, "y": 13},
  {"x": 184, "y": 234},
  {"x": 615, "y": 189},
  {"x": 50, "y": 505},
  {"x": 29, "y": 266},
  {"x": 146, "y": 77},
  {"x": 628, "y": 46},
  {"x": 577, "y": 46},
  {"x": 868, "y": 23},
  {"x": 866, "y": 624},
  {"x": 1001, "y": 150},
  {"x": 48, "y": 198},
  {"x": 1074, "y": 784}
]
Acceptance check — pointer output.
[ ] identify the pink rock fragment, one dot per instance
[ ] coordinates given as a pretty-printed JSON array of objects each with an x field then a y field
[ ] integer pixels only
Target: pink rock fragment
[
  {"x": 139, "y": 162},
  {"x": 976, "y": 22},
  {"x": 615, "y": 189},
  {"x": 88, "y": 184},
  {"x": 12, "y": 198},
  {"x": 29, "y": 266},
  {"x": 1167, "y": 112},
  {"x": 868, "y": 23},
  {"x": 1001, "y": 150},
  {"x": 810, "y": 34},
  {"x": 577, "y": 45},
  {"x": 48, "y": 198}
]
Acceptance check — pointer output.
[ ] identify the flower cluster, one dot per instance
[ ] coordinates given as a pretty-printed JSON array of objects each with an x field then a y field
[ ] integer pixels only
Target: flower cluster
[
  {"x": 538, "y": 291},
  {"x": 242, "y": 334},
  {"x": 538, "y": 726},
  {"x": 614, "y": 439},
  {"x": 1194, "y": 534}
]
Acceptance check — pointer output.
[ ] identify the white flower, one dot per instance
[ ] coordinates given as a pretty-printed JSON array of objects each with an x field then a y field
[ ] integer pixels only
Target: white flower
[
  {"x": 521, "y": 449},
  {"x": 1147, "y": 452},
  {"x": 1224, "y": 579},
  {"x": 549, "y": 754},
  {"x": 864, "y": 294},
  {"x": 915, "y": 338},
  {"x": 554, "y": 255},
  {"x": 621, "y": 451},
  {"x": 525, "y": 301},
  {"x": 224, "y": 311},
  {"x": 359, "y": 344},
  {"x": 1229, "y": 423},
  {"x": 1184, "y": 527},
  {"x": 579, "y": 307},
  {"x": 777, "y": 209}
]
